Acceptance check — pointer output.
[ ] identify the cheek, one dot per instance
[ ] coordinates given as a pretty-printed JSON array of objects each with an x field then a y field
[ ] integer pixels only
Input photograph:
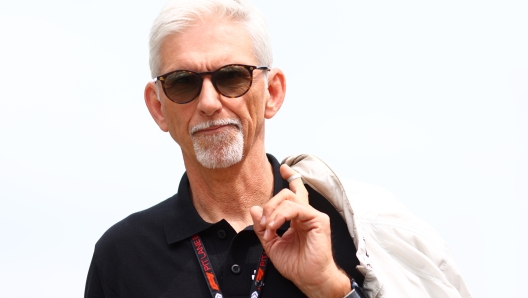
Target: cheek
[
  {"x": 255, "y": 110},
  {"x": 176, "y": 125}
]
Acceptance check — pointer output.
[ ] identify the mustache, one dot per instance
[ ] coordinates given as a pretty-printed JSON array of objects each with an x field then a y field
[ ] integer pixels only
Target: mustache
[{"x": 220, "y": 122}]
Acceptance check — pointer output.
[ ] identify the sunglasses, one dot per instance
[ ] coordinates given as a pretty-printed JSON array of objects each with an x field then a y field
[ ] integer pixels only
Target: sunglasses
[{"x": 233, "y": 80}]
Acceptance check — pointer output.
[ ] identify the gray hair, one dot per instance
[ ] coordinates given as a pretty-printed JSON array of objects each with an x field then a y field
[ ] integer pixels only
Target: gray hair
[{"x": 177, "y": 15}]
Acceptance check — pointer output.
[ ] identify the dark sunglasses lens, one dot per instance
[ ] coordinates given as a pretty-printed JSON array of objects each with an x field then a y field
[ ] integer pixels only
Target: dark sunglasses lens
[
  {"x": 182, "y": 86},
  {"x": 233, "y": 80}
]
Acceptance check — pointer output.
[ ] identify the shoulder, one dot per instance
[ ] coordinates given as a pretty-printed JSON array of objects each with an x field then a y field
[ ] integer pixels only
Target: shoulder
[
  {"x": 145, "y": 225},
  {"x": 341, "y": 192},
  {"x": 366, "y": 208},
  {"x": 364, "y": 198}
]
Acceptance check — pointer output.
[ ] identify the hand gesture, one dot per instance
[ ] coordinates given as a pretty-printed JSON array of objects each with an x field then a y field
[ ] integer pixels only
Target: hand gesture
[{"x": 304, "y": 252}]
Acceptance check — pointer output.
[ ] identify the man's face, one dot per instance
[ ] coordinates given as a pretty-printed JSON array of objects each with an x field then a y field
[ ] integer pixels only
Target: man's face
[{"x": 212, "y": 129}]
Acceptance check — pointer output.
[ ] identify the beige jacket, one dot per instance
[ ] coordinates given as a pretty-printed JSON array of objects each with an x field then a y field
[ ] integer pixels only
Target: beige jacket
[{"x": 399, "y": 254}]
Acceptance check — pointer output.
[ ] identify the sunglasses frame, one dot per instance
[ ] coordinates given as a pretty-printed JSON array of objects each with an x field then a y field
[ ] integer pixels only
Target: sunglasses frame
[{"x": 249, "y": 68}]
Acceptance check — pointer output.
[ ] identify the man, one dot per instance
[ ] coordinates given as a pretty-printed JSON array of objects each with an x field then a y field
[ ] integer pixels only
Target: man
[{"x": 242, "y": 225}]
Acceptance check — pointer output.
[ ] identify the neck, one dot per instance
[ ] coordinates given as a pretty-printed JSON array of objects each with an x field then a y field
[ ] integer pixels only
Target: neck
[{"x": 229, "y": 193}]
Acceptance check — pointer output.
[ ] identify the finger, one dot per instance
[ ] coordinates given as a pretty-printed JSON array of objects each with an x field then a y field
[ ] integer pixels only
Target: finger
[
  {"x": 288, "y": 210},
  {"x": 263, "y": 232},
  {"x": 296, "y": 185},
  {"x": 259, "y": 220},
  {"x": 283, "y": 195}
]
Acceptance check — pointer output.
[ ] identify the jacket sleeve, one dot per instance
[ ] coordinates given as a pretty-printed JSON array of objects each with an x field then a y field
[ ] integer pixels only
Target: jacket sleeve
[
  {"x": 94, "y": 284},
  {"x": 453, "y": 275}
]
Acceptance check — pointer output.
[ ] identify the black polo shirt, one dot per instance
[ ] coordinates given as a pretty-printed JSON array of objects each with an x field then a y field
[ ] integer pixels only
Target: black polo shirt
[{"x": 149, "y": 253}]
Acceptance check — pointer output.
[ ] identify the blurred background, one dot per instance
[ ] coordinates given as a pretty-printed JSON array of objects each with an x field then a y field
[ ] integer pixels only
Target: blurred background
[{"x": 427, "y": 99}]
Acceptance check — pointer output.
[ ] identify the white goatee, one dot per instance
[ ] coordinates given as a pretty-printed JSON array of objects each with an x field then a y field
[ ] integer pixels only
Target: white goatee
[{"x": 219, "y": 150}]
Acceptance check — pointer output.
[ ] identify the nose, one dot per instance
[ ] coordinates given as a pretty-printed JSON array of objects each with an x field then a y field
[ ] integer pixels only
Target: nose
[{"x": 209, "y": 99}]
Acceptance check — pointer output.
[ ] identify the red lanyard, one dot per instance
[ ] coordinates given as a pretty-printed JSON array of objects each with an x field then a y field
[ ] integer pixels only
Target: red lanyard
[{"x": 210, "y": 276}]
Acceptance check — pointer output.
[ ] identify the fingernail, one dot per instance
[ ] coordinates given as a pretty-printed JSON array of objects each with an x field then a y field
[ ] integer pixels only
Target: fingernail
[
  {"x": 266, "y": 233},
  {"x": 263, "y": 220}
]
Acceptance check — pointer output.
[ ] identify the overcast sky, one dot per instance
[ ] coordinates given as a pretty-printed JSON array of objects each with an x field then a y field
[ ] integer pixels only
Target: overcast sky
[{"x": 429, "y": 100}]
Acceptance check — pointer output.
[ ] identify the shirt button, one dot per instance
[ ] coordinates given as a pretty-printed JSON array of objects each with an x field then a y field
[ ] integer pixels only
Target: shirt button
[
  {"x": 221, "y": 234},
  {"x": 235, "y": 269}
]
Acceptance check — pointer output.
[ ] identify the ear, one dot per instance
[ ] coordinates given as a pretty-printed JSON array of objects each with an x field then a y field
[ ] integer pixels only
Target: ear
[
  {"x": 154, "y": 105},
  {"x": 277, "y": 91}
]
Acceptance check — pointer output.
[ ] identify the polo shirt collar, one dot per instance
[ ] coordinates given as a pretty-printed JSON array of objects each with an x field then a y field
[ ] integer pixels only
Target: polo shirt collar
[{"x": 183, "y": 221}]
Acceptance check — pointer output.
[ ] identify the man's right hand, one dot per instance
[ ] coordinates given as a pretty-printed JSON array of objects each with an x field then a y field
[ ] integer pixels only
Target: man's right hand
[{"x": 304, "y": 252}]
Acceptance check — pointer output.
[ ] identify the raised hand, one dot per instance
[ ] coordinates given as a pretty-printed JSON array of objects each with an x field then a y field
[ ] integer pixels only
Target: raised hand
[{"x": 304, "y": 252}]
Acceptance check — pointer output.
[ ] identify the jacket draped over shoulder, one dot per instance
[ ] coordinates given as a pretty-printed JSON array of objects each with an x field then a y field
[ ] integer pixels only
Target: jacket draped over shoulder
[{"x": 400, "y": 255}]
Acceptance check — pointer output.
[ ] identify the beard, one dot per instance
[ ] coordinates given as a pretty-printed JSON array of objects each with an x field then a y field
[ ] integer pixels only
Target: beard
[{"x": 219, "y": 150}]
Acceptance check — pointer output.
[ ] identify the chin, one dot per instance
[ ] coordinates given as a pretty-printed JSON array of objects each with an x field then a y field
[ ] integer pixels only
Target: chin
[{"x": 220, "y": 150}]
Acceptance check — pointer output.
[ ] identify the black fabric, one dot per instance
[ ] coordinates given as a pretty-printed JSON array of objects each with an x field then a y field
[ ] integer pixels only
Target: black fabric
[{"x": 148, "y": 254}]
